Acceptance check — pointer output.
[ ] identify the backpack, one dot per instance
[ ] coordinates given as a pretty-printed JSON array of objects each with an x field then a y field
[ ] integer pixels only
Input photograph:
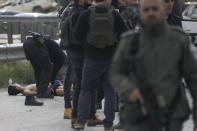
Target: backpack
[
  {"x": 65, "y": 28},
  {"x": 101, "y": 32}
]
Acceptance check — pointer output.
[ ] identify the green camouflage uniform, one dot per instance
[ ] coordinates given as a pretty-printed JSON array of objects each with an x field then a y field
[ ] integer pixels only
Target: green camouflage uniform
[{"x": 166, "y": 58}]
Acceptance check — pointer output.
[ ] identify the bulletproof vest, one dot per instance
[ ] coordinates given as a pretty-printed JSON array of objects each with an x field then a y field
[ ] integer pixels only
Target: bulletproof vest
[
  {"x": 130, "y": 15},
  {"x": 101, "y": 28},
  {"x": 65, "y": 28}
]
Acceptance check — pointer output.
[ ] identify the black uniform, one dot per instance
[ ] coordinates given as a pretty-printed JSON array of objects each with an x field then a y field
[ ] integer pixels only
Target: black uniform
[
  {"x": 76, "y": 56},
  {"x": 46, "y": 59},
  {"x": 178, "y": 8},
  {"x": 96, "y": 65},
  {"x": 174, "y": 20}
]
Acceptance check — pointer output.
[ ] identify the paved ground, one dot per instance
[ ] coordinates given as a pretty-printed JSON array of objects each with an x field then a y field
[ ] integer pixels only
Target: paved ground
[{"x": 14, "y": 116}]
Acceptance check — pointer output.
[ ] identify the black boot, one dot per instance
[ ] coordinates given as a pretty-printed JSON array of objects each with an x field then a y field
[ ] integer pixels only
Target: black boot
[{"x": 31, "y": 101}]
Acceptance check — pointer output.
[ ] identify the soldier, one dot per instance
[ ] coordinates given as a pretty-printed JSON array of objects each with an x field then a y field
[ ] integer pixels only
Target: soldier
[
  {"x": 172, "y": 19},
  {"x": 147, "y": 72},
  {"x": 178, "y": 7},
  {"x": 76, "y": 55},
  {"x": 65, "y": 12},
  {"x": 130, "y": 13},
  {"x": 98, "y": 28},
  {"x": 42, "y": 52}
]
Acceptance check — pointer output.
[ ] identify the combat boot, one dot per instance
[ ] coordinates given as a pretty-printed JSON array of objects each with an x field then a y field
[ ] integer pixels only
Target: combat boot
[
  {"x": 73, "y": 121},
  {"x": 94, "y": 122},
  {"x": 78, "y": 126},
  {"x": 118, "y": 126},
  {"x": 31, "y": 101},
  {"x": 68, "y": 113}
]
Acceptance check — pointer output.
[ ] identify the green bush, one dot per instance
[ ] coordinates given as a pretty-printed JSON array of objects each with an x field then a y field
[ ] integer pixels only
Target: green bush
[{"x": 20, "y": 72}]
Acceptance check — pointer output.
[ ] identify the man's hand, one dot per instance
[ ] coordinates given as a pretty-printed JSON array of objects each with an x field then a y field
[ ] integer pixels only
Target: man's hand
[{"x": 136, "y": 96}]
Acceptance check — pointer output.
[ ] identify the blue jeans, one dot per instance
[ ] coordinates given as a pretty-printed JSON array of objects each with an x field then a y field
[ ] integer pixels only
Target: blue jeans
[
  {"x": 95, "y": 71},
  {"x": 77, "y": 63}
]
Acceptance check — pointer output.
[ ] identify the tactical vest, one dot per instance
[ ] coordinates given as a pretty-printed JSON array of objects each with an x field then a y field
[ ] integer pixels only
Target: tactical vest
[
  {"x": 101, "y": 28},
  {"x": 65, "y": 28}
]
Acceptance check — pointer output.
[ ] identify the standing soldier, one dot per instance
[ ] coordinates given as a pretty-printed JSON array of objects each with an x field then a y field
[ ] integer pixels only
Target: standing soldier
[
  {"x": 178, "y": 7},
  {"x": 64, "y": 14},
  {"x": 76, "y": 54},
  {"x": 98, "y": 28},
  {"x": 147, "y": 72},
  {"x": 172, "y": 19}
]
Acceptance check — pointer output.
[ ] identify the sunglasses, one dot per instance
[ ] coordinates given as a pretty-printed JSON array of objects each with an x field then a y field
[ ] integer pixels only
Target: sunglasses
[
  {"x": 167, "y": 1},
  {"x": 153, "y": 8}
]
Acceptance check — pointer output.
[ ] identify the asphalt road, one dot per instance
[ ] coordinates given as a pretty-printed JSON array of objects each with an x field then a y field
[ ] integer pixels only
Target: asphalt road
[{"x": 14, "y": 116}]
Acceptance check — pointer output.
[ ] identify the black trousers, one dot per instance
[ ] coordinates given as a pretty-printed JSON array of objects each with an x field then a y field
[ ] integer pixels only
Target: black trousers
[
  {"x": 40, "y": 60},
  {"x": 69, "y": 80}
]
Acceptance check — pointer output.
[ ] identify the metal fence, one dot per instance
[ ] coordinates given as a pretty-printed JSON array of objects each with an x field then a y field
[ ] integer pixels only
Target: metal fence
[{"x": 17, "y": 25}]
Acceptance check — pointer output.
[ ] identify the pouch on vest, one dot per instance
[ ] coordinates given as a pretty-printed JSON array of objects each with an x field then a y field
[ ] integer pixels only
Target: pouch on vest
[
  {"x": 65, "y": 29},
  {"x": 101, "y": 33}
]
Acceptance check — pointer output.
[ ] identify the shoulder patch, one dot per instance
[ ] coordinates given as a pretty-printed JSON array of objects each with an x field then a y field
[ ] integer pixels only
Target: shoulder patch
[
  {"x": 179, "y": 30},
  {"x": 128, "y": 34}
]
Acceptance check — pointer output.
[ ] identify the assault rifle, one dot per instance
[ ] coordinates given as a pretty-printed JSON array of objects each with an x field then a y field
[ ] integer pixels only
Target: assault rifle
[{"x": 62, "y": 11}]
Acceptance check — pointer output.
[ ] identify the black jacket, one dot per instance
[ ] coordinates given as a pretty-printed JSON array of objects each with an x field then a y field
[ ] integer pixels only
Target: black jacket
[
  {"x": 55, "y": 52},
  {"x": 77, "y": 10},
  {"x": 174, "y": 20}
]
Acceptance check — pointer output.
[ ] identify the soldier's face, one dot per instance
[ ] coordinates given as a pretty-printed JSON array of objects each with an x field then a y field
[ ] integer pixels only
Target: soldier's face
[
  {"x": 151, "y": 12},
  {"x": 168, "y": 6}
]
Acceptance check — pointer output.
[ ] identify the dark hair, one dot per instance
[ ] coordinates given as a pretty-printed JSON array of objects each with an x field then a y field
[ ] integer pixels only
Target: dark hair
[{"x": 12, "y": 90}]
